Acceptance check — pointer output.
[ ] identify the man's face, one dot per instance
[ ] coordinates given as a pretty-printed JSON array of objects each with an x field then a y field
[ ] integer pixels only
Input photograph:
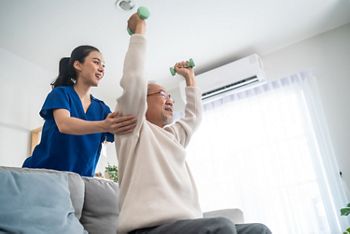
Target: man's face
[{"x": 160, "y": 106}]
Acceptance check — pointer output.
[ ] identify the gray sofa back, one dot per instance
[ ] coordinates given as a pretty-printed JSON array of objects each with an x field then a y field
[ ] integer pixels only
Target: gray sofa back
[
  {"x": 100, "y": 210},
  {"x": 95, "y": 200}
]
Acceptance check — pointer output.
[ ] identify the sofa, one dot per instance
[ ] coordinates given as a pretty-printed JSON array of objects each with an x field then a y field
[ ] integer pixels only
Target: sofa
[{"x": 48, "y": 201}]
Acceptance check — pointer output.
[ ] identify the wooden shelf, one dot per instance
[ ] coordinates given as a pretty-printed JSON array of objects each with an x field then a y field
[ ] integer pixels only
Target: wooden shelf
[{"x": 35, "y": 138}]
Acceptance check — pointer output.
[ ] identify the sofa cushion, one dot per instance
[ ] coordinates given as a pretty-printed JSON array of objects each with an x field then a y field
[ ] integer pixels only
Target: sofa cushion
[
  {"x": 75, "y": 182},
  {"x": 36, "y": 202},
  {"x": 235, "y": 215},
  {"x": 100, "y": 210}
]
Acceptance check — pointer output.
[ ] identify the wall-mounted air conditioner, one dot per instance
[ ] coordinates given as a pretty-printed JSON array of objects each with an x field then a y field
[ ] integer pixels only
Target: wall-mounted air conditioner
[{"x": 238, "y": 74}]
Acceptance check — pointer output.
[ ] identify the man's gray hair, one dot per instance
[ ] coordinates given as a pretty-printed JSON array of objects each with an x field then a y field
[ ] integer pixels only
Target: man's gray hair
[{"x": 151, "y": 82}]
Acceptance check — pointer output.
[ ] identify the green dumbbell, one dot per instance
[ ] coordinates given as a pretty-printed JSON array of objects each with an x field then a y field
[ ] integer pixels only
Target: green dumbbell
[
  {"x": 189, "y": 63},
  {"x": 143, "y": 13}
]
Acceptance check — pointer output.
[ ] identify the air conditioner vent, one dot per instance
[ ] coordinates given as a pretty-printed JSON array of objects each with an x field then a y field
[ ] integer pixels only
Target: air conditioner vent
[{"x": 229, "y": 87}]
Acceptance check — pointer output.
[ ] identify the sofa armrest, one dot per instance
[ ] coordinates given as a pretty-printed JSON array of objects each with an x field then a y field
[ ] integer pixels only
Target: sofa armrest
[{"x": 235, "y": 215}]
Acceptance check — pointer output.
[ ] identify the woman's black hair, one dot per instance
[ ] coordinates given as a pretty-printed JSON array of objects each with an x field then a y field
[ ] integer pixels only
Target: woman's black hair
[{"x": 66, "y": 73}]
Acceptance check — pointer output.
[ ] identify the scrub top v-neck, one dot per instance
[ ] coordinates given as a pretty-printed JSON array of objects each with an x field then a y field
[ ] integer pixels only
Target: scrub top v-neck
[{"x": 65, "y": 152}]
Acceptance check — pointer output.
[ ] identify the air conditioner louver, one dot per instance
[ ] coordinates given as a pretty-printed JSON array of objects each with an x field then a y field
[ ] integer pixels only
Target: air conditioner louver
[{"x": 230, "y": 87}]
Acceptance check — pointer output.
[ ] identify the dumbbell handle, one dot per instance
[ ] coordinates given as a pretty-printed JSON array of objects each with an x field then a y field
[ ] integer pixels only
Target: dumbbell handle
[
  {"x": 143, "y": 13},
  {"x": 189, "y": 63}
]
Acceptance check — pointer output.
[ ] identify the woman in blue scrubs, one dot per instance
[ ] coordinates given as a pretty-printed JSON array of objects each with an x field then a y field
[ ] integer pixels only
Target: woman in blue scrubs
[{"x": 76, "y": 123}]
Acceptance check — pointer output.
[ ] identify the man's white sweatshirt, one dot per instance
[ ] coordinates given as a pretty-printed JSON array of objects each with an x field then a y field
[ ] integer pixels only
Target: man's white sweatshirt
[{"x": 156, "y": 185}]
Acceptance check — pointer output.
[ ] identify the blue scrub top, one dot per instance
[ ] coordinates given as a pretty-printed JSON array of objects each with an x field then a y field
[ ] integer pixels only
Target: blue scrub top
[{"x": 65, "y": 152}]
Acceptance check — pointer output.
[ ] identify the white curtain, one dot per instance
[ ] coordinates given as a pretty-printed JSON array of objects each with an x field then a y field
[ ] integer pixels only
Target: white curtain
[{"x": 266, "y": 150}]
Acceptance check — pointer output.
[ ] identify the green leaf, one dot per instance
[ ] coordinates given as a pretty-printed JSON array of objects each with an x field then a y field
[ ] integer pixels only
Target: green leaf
[
  {"x": 112, "y": 171},
  {"x": 348, "y": 205},
  {"x": 348, "y": 229},
  {"x": 345, "y": 211}
]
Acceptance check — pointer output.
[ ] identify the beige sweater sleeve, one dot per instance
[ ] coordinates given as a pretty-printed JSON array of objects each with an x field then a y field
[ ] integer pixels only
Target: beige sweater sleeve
[
  {"x": 184, "y": 127},
  {"x": 133, "y": 99}
]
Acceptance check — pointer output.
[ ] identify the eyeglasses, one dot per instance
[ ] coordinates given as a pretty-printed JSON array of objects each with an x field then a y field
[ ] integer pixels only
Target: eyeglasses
[{"x": 163, "y": 94}]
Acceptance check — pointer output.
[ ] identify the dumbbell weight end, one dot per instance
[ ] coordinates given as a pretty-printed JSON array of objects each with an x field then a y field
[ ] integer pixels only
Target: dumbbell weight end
[{"x": 190, "y": 63}]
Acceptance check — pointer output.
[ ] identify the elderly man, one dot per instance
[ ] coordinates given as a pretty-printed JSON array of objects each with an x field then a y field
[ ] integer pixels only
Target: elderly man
[{"x": 157, "y": 191}]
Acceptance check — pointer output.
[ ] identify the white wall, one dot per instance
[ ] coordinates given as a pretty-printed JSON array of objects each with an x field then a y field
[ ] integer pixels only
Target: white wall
[
  {"x": 328, "y": 56},
  {"x": 23, "y": 89}
]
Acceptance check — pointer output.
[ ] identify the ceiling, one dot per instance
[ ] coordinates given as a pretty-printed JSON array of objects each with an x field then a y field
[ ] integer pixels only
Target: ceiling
[{"x": 213, "y": 33}]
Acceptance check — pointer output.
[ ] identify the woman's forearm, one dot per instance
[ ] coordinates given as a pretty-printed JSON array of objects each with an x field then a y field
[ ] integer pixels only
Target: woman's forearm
[{"x": 75, "y": 126}]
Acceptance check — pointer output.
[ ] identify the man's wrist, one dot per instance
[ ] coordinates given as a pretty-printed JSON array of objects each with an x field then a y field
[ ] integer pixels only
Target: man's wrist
[
  {"x": 190, "y": 80},
  {"x": 140, "y": 29}
]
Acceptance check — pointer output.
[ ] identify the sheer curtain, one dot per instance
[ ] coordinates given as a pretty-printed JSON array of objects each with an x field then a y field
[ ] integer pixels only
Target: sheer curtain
[{"x": 266, "y": 151}]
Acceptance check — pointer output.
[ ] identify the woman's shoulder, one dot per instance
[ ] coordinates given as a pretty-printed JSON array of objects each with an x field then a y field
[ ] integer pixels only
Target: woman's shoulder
[
  {"x": 98, "y": 100},
  {"x": 100, "y": 103},
  {"x": 66, "y": 88},
  {"x": 62, "y": 89}
]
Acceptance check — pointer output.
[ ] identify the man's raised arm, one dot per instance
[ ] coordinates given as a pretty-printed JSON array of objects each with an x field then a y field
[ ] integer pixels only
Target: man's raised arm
[{"x": 133, "y": 99}]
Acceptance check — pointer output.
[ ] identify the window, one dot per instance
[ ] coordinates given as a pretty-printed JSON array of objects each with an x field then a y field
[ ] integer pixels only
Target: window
[{"x": 264, "y": 150}]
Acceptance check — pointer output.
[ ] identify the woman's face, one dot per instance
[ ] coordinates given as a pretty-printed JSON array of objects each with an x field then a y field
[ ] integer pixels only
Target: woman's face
[{"x": 91, "y": 71}]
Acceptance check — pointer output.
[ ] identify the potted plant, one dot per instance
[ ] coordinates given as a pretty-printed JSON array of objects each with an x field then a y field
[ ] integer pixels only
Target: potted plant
[
  {"x": 111, "y": 172},
  {"x": 345, "y": 212}
]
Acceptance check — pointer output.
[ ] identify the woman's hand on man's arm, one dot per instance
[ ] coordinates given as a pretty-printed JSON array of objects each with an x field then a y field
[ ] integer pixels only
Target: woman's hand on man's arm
[
  {"x": 114, "y": 123},
  {"x": 120, "y": 124}
]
